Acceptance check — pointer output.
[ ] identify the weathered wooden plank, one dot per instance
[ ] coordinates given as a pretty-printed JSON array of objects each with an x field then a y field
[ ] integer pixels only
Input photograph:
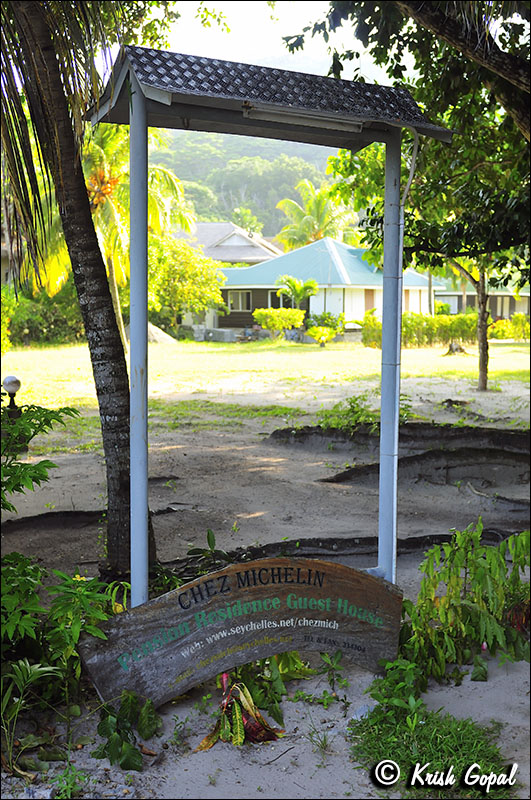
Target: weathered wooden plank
[{"x": 239, "y": 614}]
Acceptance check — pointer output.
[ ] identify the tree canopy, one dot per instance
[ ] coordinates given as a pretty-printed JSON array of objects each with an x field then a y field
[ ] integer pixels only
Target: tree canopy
[{"x": 469, "y": 202}]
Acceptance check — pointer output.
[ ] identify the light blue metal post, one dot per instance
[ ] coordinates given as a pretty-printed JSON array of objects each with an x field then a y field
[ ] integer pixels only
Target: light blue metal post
[
  {"x": 138, "y": 154},
  {"x": 391, "y": 329}
]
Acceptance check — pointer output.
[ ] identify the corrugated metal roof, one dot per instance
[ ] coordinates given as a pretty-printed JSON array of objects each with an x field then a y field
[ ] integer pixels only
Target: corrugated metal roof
[
  {"x": 169, "y": 78},
  {"x": 327, "y": 261}
]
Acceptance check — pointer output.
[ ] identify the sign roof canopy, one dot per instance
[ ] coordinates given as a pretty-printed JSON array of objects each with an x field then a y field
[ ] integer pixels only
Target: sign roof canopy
[{"x": 206, "y": 94}]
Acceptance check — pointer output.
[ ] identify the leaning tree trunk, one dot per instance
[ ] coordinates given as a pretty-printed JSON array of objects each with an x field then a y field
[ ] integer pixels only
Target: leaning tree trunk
[
  {"x": 106, "y": 351},
  {"x": 483, "y": 324}
]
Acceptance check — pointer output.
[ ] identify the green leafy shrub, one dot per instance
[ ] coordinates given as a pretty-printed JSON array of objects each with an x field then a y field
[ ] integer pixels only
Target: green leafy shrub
[
  {"x": 326, "y": 320},
  {"x": 8, "y": 307},
  {"x": 520, "y": 326},
  {"x": 371, "y": 330},
  {"x": 49, "y": 632},
  {"x": 469, "y": 598},
  {"x": 501, "y": 329},
  {"x": 465, "y": 600},
  {"x": 424, "y": 330},
  {"x": 41, "y": 319},
  {"x": 442, "y": 308},
  {"x": 17, "y": 432},
  {"x": 117, "y": 727},
  {"x": 350, "y": 414},
  {"x": 21, "y": 607},
  {"x": 279, "y": 320},
  {"x": 321, "y": 335}
]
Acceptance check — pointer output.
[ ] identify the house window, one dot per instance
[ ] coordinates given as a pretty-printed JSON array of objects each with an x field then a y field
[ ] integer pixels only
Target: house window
[
  {"x": 279, "y": 302},
  {"x": 239, "y": 301}
]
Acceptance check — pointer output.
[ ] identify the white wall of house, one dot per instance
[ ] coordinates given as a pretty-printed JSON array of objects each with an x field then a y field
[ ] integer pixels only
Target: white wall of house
[
  {"x": 350, "y": 301},
  {"x": 415, "y": 300}
]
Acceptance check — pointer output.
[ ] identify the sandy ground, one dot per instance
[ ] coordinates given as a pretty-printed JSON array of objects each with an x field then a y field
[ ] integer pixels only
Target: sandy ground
[{"x": 273, "y": 492}]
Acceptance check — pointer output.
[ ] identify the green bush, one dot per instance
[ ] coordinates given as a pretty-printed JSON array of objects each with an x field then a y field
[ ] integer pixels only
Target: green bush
[
  {"x": 8, "y": 307},
  {"x": 326, "y": 320},
  {"x": 321, "y": 334},
  {"x": 501, "y": 329},
  {"x": 520, "y": 325},
  {"x": 47, "y": 320},
  {"x": 424, "y": 330},
  {"x": 442, "y": 308},
  {"x": 371, "y": 331},
  {"x": 279, "y": 320},
  {"x": 17, "y": 432}
]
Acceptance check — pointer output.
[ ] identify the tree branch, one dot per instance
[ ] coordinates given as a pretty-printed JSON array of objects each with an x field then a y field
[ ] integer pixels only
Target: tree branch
[{"x": 478, "y": 46}]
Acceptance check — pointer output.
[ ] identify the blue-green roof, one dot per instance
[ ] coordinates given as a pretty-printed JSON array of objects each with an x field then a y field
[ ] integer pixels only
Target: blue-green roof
[{"x": 326, "y": 261}]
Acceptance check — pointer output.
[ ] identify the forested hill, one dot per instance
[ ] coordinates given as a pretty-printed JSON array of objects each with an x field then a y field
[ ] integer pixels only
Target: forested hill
[{"x": 221, "y": 172}]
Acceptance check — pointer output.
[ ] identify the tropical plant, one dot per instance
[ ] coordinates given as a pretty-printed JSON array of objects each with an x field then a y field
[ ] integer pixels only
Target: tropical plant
[
  {"x": 319, "y": 215},
  {"x": 296, "y": 290},
  {"x": 278, "y": 320},
  {"x": 105, "y": 162},
  {"x": 321, "y": 334},
  {"x": 59, "y": 41},
  {"x": 8, "y": 308},
  {"x": 485, "y": 43},
  {"x": 18, "y": 430},
  {"x": 16, "y": 686},
  {"x": 117, "y": 727},
  {"x": 239, "y": 719},
  {"x": 327, "y": 320},
  {"x": 466, "y": 600}
]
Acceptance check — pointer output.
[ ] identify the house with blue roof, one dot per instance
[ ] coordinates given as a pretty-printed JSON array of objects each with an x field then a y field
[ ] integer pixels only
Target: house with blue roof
[{"x": 348, "y": 284}]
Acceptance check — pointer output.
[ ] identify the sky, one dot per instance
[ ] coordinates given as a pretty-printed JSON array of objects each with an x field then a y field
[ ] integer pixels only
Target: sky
[{"x": 256, "y": 32}]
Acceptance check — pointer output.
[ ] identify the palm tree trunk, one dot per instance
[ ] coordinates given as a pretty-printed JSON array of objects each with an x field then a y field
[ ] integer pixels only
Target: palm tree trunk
[
  {"x": 483, "y": 323},
  {"x": 106, "y": 352}
]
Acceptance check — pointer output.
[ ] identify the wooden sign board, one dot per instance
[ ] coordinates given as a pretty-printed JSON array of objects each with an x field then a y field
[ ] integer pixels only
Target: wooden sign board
[{"x": 239, "y": 614}]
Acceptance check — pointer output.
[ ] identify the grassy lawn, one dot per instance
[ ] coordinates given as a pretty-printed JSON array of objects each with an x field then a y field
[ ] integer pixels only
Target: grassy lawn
[{"x": 61, "y": 376}]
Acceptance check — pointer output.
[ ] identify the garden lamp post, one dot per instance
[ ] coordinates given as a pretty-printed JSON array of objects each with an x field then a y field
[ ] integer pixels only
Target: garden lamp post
[{"x": 11, "y": 385}]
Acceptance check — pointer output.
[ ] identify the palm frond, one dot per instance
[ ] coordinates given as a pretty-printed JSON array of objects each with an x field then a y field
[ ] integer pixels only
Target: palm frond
[{"x": 29, "y": 128}]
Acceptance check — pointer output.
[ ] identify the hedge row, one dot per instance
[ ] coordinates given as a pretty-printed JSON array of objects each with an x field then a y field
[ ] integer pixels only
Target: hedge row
[{"x": 424, "y": 330}]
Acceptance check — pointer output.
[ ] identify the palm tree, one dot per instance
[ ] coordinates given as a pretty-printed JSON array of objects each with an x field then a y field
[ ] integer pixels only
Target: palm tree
[
  {"x": 295, "y": 289},
  {"x": 318, "y": 216},
  {"x": 47, "y": 84},
  {"x": 106, "y": 168}
]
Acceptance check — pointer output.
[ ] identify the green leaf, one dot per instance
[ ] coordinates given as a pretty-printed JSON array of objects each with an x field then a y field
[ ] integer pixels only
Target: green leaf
[
  {"x": 225, "y": 733},
  {"x": 130, "y": 757},
  {"x": 149, "y": 722},
  {"x": 100, "y": 751},
  {"x": 129, "y": 707},
  {"x": 211, "y": 539},
  {"x": 31, "y": 740},
  {"x": 114, "y": 747},
  {"x": 480, "y": 671},
  {"x": 51, "y": 754},
  {"x": 107, "y": 726},
  {"x": 83, "y": 740},
  {"x": 238, "y": 730}
]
